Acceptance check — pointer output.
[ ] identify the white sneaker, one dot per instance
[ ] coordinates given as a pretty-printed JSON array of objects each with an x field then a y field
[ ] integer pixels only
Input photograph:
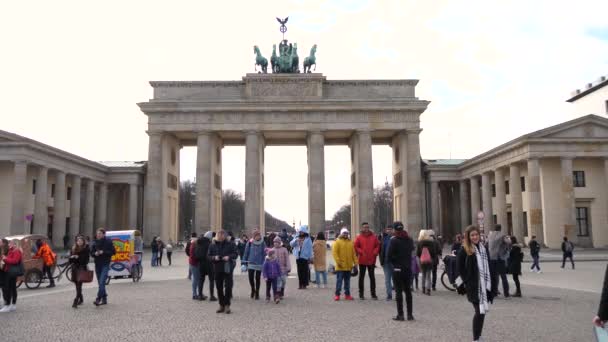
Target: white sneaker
[
  {"x": 539, "y": 271},
  {"x": 12, "y": 308},
  {"x": 5, "y": 308}
]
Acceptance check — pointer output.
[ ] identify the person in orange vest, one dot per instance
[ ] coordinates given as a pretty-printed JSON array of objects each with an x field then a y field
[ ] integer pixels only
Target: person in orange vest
[{"x": 48, "y": 260}]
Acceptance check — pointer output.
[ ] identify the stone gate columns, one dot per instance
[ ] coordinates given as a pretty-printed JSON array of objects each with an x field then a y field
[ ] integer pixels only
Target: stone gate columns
[
  {"x": 568, "y": 200},
  {"x": 41, "y": 215},
  {"x": 516, "y": 202},
  {"x": 254, "y": 181},
  {"x": 501, "y": 199},
  {"x": 102, "y": 206},
  {"x": 75, "y": 206},
  {"x": 133, "y": 196},
  {"x": 434, "y": 206},
  {"x": 59, "y": 213},
  {"x": 475, "y": 205},
  {"x": 414, "y": 183},
  {"x": 89, "y": 208},
  {"x": 208, "y": 183},
  {"x": 400, "y": 185},
  {"x": 362, "y": 187},
  {"x": 464, "y": 205},
  {"x": 19, "y": 195},
  {"x": 153, "y": 202},
  {"x": 316, "y": 182},
  {"x": 535, "y": 214},
  {"x": 486, "y": 199}
]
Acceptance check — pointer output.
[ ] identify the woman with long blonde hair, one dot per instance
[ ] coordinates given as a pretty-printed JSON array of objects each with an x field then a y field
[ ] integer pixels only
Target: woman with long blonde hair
[{"x": 475, "y": 277}]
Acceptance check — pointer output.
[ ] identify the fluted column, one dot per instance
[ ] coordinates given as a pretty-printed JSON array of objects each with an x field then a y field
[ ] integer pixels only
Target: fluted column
[
  {"x": 535, "y": 211},
  {"x": 568, "y": 200},
  {"x": 316, "y": 182},
  {"x": 75, "y": 206},
  {"x": 41, "y": 214},
  {"x": 133, "y": 196},
  {"x": 464, "y": 205},
  {"x": 486, "y": 199},
  {"x": 435, "y": 205},
  {"x": 59, "y": 209},
  {"x": 414, "y": 182},
  {"x": 89, "y": 207},
  {"x": 254, "y": 152},
  {"x": 19, "y": 199},
  {"x": 153, "y": 215},
  {"x": 501, "y": 199},
  {"x": 516, "y": 202},
  {"x": 102, "y": 206},
  {"x": 362, "y": 200},
  {"x": 475, "y": 205}
]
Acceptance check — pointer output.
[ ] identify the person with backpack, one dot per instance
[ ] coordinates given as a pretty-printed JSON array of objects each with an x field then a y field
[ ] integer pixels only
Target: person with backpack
[
  {"x": 498, "y": 246},
  {"x": 367, "y": 247},
  {"x": 438, "y": 253},
  {"x": 102, "y": 249},
  {"x": 426, "y": 252},
  {"x": 48, "y": 260},
  {"x": 516, "y": 256},
  {"x": 254, "y": 261},
  {"x": 204, "y": 266},
  {"x": 535, "y": 254},
  {"x": 567, "y": 249},
  {"x": 399, "y": 253}
]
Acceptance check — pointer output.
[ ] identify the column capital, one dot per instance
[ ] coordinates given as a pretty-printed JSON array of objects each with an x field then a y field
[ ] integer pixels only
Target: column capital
[
  {"x": 252, "y": 132},
  {"x": 413, "y": 131},
  {"x": 25, "y": 162},
  {"x": 566, "y": 158},
  {"x": 364, "y": 131},
  {"x": 316, "y": 131},
  {"x": 533, "y": 158},
  {"x": 205, "y": 132},
  {"x": 155, "y": 133}
]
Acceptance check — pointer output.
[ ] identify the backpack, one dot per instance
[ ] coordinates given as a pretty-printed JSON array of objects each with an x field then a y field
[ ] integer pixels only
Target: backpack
[
  {"x": 425, "y": 256},
  {"x": 569, "y": 246}
]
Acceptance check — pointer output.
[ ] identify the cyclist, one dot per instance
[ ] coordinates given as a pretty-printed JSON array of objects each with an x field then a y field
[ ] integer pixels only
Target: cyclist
[{"x": 48, "y": 258}]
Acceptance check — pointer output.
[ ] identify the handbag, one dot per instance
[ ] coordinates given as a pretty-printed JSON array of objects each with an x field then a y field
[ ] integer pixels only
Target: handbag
[
  {"x": 355, "y": 271},
  {"x": 84, "y": 276},
  {"x": 16, "y": 270}
]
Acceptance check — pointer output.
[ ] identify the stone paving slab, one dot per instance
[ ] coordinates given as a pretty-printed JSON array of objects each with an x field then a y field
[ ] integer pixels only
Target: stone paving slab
[{"x": 156, "y": 310}]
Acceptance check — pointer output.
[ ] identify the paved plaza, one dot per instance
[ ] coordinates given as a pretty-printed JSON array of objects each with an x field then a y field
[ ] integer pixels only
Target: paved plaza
[{"x": 160, "y": 309}]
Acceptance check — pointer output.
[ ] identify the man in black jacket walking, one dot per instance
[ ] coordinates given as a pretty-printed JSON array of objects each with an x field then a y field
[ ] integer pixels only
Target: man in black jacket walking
[
  {"x": 399, "y": 252},
  {"x": 102, "y": 250}
]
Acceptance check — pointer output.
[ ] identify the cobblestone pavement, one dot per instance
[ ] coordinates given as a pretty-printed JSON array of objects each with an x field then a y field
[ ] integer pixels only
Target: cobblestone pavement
[{"x": 160, "y": 308}]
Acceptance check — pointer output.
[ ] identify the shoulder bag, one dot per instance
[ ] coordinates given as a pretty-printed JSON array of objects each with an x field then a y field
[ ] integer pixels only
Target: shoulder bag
[{"x": 84, "y": 276}]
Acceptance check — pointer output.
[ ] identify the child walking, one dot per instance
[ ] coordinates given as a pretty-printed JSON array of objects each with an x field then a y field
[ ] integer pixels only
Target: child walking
[
  {"x": 319, "y": 251},
  {"x": 271, "y": 272},
  {"x": 415, "y": 271},
  {"x": 282, "y": 255}
]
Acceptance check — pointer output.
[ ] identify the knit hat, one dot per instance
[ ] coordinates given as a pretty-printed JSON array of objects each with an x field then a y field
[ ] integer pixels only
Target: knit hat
[
  {"x": 209, "y": 235},
  {"x": 277, "y": 239},
  {"x": 397, "y": 225},
  {"x": 344, "y": 231}
]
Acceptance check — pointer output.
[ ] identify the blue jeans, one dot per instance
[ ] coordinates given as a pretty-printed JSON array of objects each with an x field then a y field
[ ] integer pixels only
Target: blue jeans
[
  {"x": 154, "y": 259},
  {"x": 318, "y": 275},
  {"x": 535, "y": 262},
  {"x": 196, "y": 279},
  {"x": 388, "y": 279},
  {"x": 343, "y": 276},
  {"x": 101, "y": 271}
]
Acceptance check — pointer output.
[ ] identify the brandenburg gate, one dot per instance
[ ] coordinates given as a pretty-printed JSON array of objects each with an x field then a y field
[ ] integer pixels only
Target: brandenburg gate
[{"x": 280, "y": 109}]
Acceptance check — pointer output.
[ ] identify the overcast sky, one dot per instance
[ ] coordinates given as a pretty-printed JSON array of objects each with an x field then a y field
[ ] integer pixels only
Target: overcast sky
[{"x": 72, "y": 72}]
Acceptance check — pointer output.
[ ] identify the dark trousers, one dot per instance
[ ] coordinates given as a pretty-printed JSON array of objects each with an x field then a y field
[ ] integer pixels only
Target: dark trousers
[
  {"x": 201, "y": 283},
  {"x": 9, "y": 290},
  {"x": 567, "y": 255},
  {"x": 498, "y": 268},
  {"x": 478, "y": 319},
  {"x": 160, "y": 259},
  {"x": 272, "y": 283},
  {"x": 372, "y": 279},
  {"x": 516, "y": 281},
  {"x": 223, "y": 285},
  {"x": 302, "y": 272},
  {"x": 434, "y": 274},
  {"x": 78, "y": 285},
  {"x": 255, "y": 283},
  {"x": 169, "y": 257},
  {"x": 402, "y": 280},
  {"x": 47, "y": 271}
]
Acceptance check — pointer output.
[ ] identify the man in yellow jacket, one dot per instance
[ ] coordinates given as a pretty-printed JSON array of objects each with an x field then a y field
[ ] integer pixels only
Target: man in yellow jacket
[{"x": 343, "y": 252}]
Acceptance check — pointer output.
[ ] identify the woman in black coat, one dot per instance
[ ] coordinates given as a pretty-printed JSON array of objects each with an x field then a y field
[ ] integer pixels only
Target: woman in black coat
[
  {"x": 516, "y": 256},
  {"x": 79, "y": 258},
  {"x": 472, "y": 261}
]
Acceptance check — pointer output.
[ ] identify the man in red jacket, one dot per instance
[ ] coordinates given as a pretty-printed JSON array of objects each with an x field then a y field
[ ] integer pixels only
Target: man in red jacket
[{"x": 367, "y": 247}]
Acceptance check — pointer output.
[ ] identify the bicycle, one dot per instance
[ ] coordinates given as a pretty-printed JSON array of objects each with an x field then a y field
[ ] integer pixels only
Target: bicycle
[
  {"x": 449, "y": 275},
  {"x": 34, "y": 276}
]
